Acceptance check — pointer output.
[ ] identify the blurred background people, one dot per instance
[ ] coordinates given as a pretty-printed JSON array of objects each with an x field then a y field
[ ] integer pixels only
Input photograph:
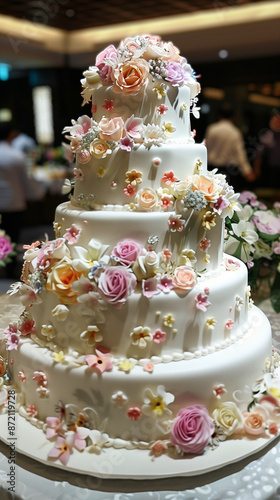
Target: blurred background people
[
  {"x": 267, "y": 162},
  {"x": 226, "y": 151},
  {"x": 16, "y": 187}
]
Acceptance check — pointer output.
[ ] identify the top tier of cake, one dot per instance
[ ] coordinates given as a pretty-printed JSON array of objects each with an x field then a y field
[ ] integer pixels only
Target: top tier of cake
[{"x": 139, "y": 133}]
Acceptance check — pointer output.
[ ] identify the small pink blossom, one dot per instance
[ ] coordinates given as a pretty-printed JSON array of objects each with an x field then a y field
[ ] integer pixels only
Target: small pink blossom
[
  {"x": 129, "y": 190},
  {"x": 162, "y": 109},
  {"x": 148, "y": 367},
  {"x": 165, "y": 284},
  {"x": 93, "y": 108},
  {"x": 202, "y": 302},
  {"x": 229, "y": 324},
  {"x": 101, "y": 361},
  {"x": 150, "y": 287},
  {"x": 169, "y": 177},
  {"x": 204, "y": 244},
  {"x": 108, "y": 105},
  {"x": 12, "y": 328},
  {"x": 134, "y": 413},
  {"x": 31, "y": 410},
  {"x": 12, "y": 341},
  {"x": 166, "y": 254},
  {"x": 27, "y": 326},
  {"x": 33, "y": 245},
  {"x": 221, "y": 204},
  {"x": 250, "y": 264},
  {"x": 63, "y": 448},
  {"x": 166, "y": 201},
  {"x": 22, "y": 376},
  {"x": 159, "y": 336},
  {"x": 72, "y": 234},
  {"x": 78, "y": 174},
  {"x": 175, "y": 223},
  {"x": 41, "y": 378},
  {"x": 126, "y": 144},
  {"x": 54, "y": 427},
  {"x": 219, "y": 390}
]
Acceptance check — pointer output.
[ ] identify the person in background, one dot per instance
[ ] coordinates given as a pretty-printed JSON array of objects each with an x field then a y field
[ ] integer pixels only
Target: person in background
[
  {"x": 16, "y": 187},
  {"x": 267, "y": 161},
  {"x": 226, "y": 151},
  {"x": 23, "y": 142}
]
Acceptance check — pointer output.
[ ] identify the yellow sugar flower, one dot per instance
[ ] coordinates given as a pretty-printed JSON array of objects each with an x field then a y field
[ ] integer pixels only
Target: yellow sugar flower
[
  {"x": 169, "y": 129},
  {"x": 126, "y": 365},
  {"x": 210, "y": 323},
  {"x": 58, "y": 356},
  {"x": 100, "y": 172},
  {"x": 133, "y": 177},
  {"x": 168, "y": 320},
  {"x": 209, "y": 220},
  {"x": 160, "y": 91}
]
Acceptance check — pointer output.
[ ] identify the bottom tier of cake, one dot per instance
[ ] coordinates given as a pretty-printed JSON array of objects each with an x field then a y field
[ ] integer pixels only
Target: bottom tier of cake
[{"x": 182, "y": 405}]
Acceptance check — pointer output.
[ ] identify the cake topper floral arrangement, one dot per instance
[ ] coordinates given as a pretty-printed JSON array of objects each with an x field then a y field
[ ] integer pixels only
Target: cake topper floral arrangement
[{"x": 253, "y": 236}]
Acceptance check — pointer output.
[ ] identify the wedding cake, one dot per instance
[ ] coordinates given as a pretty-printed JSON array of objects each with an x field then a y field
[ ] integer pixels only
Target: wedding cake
[{"x": 137, "y": 332}]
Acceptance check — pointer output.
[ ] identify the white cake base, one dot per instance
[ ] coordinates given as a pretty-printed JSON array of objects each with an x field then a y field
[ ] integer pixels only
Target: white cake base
[{"x": 131, "y": 464}]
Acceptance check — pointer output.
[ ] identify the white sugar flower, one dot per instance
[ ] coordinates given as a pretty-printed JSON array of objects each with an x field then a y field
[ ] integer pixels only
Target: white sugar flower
[
  {"x": 156, "y": 404},
  {"x": 92, "y": 305},
  {"x": 48, "y": 331},
  {"x": 141, "y": 336},
  {"x": 119, "y": 398},
  {"x": 98, "y": 440},
  {"x": 233, "y": 205},
  {"x": 86, "y": 257},
  {"x": 239, "y": 303},
  {"x": 91, "y": 335}
]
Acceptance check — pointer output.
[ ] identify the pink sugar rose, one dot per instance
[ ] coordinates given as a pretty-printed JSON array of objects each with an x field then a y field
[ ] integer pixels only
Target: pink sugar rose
[
  {"x": 104, "y": 62},
  {"x": 83, "y": 156},
  {"x": 184, "y": 278},
  {"x": 126, "y": 252},
  {"x": 192, "y": 429},
  {"x": 5, "y": 247},
  {"x": 115, "y": 285},
  {"x": 111, "y": 129},
  {"x": 175, "y": 74}
]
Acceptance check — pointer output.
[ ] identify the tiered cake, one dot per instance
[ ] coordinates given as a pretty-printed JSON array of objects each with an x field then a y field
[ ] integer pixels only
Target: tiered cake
[{"x": 137, "y": 331}]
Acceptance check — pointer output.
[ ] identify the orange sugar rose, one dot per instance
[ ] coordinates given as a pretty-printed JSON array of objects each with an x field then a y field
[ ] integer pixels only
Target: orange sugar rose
[
  {"x": 60, "y": 280},
  {"x": 130, "y": 77},
  {"x": 184, "y": 278}
]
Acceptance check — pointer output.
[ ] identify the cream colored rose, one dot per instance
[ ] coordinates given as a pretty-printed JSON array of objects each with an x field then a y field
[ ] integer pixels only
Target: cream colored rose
[
  {"x": 147, "y": 199},
  {"x": 111, "y": 129},
  {"x": 228, "y": 417},
  {"x": 91, "y": 77},
  {"x": 99, "y": 149},
  {"x": 60, "y": 279},
  {"x": 146, "y": 266},
  {"x": 130, "y": 77},
  {"x": 181, "y": 188},
  {"x": 184, "y": 278}
]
